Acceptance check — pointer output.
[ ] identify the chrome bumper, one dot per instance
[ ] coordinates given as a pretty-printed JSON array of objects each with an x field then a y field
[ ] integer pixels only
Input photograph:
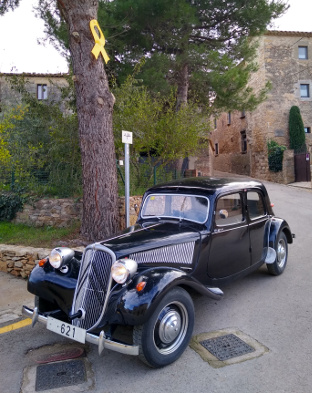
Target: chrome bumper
[{"x": 101, "y": 341}]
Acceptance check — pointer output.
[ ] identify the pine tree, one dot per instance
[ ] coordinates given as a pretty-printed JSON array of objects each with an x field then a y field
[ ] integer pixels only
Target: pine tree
[{"x": 203, "y": 47}]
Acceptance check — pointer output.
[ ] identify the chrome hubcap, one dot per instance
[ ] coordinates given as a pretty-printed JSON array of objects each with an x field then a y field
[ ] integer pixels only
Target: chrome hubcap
[
  {"x": 281, "y": 253},
  {"x": 170, "y": 328}
]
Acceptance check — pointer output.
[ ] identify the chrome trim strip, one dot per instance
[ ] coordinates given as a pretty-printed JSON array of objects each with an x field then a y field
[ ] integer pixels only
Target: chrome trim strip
[
  {"x": 178, "y": 253},
  {"x": 101, "y": 341}
]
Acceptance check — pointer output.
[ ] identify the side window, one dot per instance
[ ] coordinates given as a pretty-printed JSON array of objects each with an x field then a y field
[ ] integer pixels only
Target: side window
[
  {"x": 255, "y": 205},
  {"x": 229, "y": 210}
]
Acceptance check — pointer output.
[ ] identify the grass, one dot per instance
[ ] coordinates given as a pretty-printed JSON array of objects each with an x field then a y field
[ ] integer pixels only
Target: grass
[{"x": 23, "y": 235}]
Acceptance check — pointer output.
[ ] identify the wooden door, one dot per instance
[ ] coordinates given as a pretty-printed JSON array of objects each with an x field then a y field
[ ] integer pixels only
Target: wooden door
[{"x": 302, "y": 167}]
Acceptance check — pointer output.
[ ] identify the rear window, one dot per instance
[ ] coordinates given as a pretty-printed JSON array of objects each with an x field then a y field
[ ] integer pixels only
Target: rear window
[
  {"x": 229, "y": 210},
  {"x": 184, "y": 207},
  {"x": 255, "y": 203}
]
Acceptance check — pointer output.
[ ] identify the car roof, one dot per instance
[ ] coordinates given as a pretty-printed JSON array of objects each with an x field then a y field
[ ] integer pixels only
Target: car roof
[{"x": 206, "y": 185}]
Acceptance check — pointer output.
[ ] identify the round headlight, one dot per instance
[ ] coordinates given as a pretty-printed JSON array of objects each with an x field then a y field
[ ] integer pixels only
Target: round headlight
[
  {"x": 123, "y": 269},
  {"x": 60, "y": 256}
]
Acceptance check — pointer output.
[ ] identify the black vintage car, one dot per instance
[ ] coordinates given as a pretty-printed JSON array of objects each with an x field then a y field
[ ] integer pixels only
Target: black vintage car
[{"x": 194, "y": 234}]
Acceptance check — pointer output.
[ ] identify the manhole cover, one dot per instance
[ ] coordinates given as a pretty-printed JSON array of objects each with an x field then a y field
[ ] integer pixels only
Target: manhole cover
[
  {"x": 226, "y": 347},
  {"x": 57, "y": 375}
]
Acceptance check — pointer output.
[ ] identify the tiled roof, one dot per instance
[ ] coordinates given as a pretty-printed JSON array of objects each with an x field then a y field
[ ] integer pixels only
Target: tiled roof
[
  {"x": 289, "y": 33},
  {"x": 34, "y": 74}
]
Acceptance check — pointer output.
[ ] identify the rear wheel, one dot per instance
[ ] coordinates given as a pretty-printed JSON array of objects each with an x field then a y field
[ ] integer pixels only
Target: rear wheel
[
  {"x": 281, "y": 249},
  {"x": 164, "y": 337}
]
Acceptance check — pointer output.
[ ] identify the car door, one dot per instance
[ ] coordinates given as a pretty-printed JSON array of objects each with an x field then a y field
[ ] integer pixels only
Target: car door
[
  {"x": 258, "y": 218},
  {"x": 229, "y": 248}
]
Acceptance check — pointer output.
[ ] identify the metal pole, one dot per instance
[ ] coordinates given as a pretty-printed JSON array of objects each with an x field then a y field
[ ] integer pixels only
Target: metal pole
[{"x": 127, "y": 183}]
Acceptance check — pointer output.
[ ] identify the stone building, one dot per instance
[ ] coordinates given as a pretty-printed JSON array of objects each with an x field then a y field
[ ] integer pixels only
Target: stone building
[
  {"x": 240, "y": 139},
  {"x": 43, "y": 86}
]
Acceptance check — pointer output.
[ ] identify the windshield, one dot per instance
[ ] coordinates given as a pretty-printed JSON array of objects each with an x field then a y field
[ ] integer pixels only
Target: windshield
[{"x": 185, "y": 207}]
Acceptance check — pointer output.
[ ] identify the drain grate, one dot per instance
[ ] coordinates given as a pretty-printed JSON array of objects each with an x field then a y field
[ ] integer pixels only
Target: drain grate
[
  {"x": 226, "y": 347},
  {"x": 57, "y": 375}
]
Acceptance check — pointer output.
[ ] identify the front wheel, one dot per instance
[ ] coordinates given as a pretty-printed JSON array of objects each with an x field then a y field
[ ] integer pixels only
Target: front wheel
[
  {"x": 164, "y": 337},
  {"x": 281, "y": 249}
]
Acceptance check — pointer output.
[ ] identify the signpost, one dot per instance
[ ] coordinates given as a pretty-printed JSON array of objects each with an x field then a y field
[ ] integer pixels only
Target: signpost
[{"x": 127, "y": 139}]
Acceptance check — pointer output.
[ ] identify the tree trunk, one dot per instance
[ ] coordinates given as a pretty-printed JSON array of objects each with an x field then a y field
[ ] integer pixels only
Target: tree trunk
[
  {"x": 94, "y": 109},
  {"x": 183, "y": 85}
]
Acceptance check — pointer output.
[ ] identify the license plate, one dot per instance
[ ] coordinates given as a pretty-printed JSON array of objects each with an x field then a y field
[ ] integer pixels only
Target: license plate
[{"x": 66, "y": 330}]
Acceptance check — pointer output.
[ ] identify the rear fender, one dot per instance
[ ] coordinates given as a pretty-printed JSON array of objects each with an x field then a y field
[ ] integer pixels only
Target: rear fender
[{"x": 279, "y": 225}]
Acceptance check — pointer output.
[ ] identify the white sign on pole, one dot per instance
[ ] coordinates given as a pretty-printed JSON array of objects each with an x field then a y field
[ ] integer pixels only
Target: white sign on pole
[{"x": 127, "y": 137}]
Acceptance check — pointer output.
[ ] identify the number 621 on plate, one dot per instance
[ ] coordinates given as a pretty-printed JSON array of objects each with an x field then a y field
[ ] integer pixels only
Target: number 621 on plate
[{"x": 66, "y": 330}]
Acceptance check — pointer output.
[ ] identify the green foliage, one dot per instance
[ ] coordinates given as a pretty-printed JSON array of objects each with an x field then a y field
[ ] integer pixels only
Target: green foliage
[
  {"x": 55, "y": 25},
  {"x": 25, "y": 235},
  {"x": 275, "y": 156},
  {"x": 10, "y": 204},
  {"x": 211, "y": 39},
  {"x": 296, "y": 130},
  {"x": 161, "y": 135},
  {"x": 39, "y": 144},
  {"x": 6, "y": 5}
]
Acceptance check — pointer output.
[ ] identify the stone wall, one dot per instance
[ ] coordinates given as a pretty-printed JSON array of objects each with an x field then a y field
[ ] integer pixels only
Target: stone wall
[
  {"x": 134, "y": 207},
  {"x": 65, "y": 212},
  {"x": 279, "y": 63},
  {"x": 20, "y": 261},
  {"x": 227, "y": 135},
  {"x": 50, "y": 212},
  {"x": 54, "y": 82}
]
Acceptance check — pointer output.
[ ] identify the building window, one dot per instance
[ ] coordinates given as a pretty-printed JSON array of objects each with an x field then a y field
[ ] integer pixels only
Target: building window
[
  {"x": 229, "y": 118},
  {"x": 216, "y": 149},
  {"x": 304, "y": 91},
  {"x": 42, "y": 92},
  {"x": 303, "y": 52},
  {"x": 243, "y": 142},
  {"x": 307, "y": 130},
  {"x": 243, "y": 114},
  {"x": 215, "y": 122}
]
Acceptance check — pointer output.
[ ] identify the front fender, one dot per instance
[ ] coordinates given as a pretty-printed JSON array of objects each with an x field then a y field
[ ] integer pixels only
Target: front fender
[
  {"x": 137, "y": 307},
  {"x": 56, "y": 288}
]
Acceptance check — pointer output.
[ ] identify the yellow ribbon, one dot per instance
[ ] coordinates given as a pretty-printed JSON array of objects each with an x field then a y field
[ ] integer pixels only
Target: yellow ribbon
[{"x": 99, "y": 41}]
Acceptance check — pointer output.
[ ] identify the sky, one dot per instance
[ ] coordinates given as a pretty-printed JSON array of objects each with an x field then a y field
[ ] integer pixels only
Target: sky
[{"x": 20, "y": 31}]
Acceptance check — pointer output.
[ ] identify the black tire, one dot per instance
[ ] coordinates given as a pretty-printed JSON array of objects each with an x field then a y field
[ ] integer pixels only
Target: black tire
[
  {"x": 281, "y": 249},
  {"x": 165, "y": 336}
]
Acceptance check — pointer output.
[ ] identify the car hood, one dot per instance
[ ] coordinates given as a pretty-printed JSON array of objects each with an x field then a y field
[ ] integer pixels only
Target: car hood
[{"x": 144, "y": 237}]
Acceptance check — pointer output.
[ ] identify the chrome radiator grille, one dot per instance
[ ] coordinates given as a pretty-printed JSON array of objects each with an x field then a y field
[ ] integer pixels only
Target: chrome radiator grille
[
  {"x": 92, "y": 285},
  {"x": 179, "y": 253}
]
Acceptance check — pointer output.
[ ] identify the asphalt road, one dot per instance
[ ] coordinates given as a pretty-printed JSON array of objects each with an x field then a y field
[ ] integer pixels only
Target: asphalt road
[{"x": 274, "y": 311}]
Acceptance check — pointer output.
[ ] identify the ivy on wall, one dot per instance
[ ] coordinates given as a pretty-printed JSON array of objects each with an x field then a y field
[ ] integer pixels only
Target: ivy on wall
[{"x": 275, "y": 156}]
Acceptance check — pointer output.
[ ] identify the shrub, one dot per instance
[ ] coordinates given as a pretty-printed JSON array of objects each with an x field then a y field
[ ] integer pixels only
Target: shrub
[
  {"x": 296, "y": 130},
  {"x": 275, "y": 156},
  {"x": 10, "y": 204}
]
